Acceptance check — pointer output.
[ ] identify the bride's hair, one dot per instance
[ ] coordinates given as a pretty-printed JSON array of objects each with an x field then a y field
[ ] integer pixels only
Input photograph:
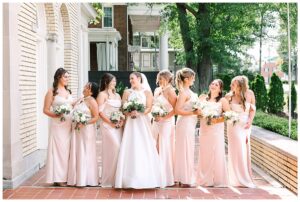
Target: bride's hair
[
  {"x": 166, "y": 74},
  {"x": 139, "y": 75},
  {"x": 181, "y": 75},
  {"x": 220, "y": 93},
  {"x": 60, "y": 72},
  {"x": 241, "y": 82},
  {"x": 105, "y": 81}
]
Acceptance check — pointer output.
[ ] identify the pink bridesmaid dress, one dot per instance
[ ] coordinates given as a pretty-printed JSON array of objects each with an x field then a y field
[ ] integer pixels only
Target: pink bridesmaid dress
[
  {"x": 59, "y": 144},
  {"x": 212, "y": 169},
  {"x": 111, "y": 141},
  {"x": 184, "y": 171},
  {"x": 239, "y": 159},
  {"x": 83, "y": 169},
  {"x": 165, "y": 131}
]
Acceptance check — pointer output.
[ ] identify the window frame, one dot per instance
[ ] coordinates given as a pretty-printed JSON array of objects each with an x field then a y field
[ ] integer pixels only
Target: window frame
[{"x": 112, "y": 16}]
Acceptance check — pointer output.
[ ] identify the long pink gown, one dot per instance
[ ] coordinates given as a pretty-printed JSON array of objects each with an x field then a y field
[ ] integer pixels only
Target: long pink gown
[
  {"x": 111, "y": 141},
  {"x": 165, "y": 131},
  {"x": 83, "y": 169},
  {"x": 184, "y": 171},
  {"x": 212, "y": 168},
  {"x": 59, "y": 144},
  {"x": 138, "y": 164},
  {"x": 239, "y": 158}
]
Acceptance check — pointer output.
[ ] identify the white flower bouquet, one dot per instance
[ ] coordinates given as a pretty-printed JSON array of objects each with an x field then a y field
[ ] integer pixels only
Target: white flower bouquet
[
  {"x": 133, "y": 105},
  {"x": 197, "y": 105},
  {"x": 231, "y": 117},
  {"x": 209, "y": 112},
  {"x": 116, "y": 117},
  {"x": 62, "y": 109},
  {"x": 158, "y": 110},
  {"x": 79, "y": 117}
]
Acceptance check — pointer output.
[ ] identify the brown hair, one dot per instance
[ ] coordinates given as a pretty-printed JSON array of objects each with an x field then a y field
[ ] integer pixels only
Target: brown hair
[
  {"x": 60, "y": 72},
  {"x": 243, "y": 88},
  {"x": 220, "y": 93},
  {"x": 105, "y": 81},
  {"x": 166, "y": 74},
  {"x": 181, "y": 75},
  {"x": 138, "y": 74}
]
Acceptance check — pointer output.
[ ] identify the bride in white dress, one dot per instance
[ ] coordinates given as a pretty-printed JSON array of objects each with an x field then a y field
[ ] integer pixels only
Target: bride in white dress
[{"x": 138, "y": 164}]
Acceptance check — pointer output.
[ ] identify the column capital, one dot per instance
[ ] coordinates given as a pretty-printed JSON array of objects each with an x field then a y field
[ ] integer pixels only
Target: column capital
[{"x": 53, "y": 37}]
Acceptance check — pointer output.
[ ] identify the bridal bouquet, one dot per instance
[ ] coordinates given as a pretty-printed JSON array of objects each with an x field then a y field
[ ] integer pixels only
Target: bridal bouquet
[
  {"x": 116, "y": 117},
  {"x": 79, "y": 117},
  {"x": 158, "y": 110},
  {"x": 133, "y": 105},
  {"x": 231, "y": 116},
  {"x": 62, "y": 109},
  {"x": 210, "y": 112}
]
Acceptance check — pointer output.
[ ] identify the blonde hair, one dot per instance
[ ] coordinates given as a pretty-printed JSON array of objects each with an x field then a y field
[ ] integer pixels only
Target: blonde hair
[
  {"x": 166, "y": 74},
  {"x": 181, "y": 75},
  {"x": 246, "y": 81},
  {"x": 243, "y": 85}
]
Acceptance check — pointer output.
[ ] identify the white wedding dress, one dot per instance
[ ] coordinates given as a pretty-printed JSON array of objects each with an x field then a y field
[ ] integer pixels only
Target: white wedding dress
[{"x": 138, "y": 164}]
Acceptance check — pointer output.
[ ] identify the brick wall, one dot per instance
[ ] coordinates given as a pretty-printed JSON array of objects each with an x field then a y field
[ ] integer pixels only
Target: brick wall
[
  {"x": 120, "y": 24},
  {"x": 27, "y": 77}
]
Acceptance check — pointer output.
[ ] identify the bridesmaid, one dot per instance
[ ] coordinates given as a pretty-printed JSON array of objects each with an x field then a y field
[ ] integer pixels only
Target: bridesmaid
[
  {"x": 109, "y": 101},
  {"x": 212, "y": 169},
  {"x": 164, "y": 127},
  {"x": 242, "y": 101},
  {"x": 60, "y": 131},
  {"x": 83, "y": 169},
  {"x": 184, "y": 172}
]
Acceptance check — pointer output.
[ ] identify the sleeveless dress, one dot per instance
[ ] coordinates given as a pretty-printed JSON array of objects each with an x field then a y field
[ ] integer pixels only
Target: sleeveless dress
[
  {"x": 59, "y": 144},
  {"x": 83, "y": 169},
  {"x": 165, "y": 131},
  {"x": 111, "y": 141},
  {"x": 239, "y": 158},
  {"x": 184, "y": 171},
  {"x": 138, "y": 164},
  {"x": 212, "y": 169}
]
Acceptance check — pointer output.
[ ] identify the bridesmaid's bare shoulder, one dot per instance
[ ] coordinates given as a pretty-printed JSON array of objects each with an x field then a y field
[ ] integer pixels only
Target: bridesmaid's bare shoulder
[{"x": 228, "y": 95}]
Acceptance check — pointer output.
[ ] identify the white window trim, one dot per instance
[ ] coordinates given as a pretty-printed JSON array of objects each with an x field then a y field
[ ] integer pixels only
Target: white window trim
[{"x": 112, "y": 16}]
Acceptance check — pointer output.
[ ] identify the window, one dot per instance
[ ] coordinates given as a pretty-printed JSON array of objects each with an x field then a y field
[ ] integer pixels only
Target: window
[
  {"x": 145, "y": 42},
  {"x": 107, "y": 19},
  {"x": 146, "y": 60},
  {"x": 136, "y": 40}
]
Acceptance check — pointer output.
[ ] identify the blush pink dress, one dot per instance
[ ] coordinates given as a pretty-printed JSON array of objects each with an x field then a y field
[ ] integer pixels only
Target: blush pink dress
[
  {"x": 83, "y": 169},
  {"x": 111, "y": 141},
  {"x": 165, "y": 131},
  {"x": 239, "y": 158},
  {"x": 59, "y": 144},
  {"x": 212, "y": 168},
  {"x": 184, "y": 171}
]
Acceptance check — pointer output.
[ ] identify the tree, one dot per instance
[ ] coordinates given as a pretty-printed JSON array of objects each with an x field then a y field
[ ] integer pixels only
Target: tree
[
  {"x": 275, "y": 95},
  {"x": 260, "y": 91},
  {"x": 283, "y": 38},
  {"x": 213, "y": 34},
  {"x": 98, "y": 8},
  {"x": 294, "y": 99}
]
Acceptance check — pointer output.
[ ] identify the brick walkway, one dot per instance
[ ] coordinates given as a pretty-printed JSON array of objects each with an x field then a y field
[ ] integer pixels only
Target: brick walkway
[{"x": 35, "y": 188}]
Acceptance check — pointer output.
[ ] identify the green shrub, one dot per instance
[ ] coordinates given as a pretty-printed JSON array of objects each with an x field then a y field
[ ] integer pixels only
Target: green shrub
[
  {"x": 276, "y": 124},
  {"x": 259, "y": 88},
  {"x": 294, "y": 99},
  {"x": 120, "y": 88},
  {"x": 275, "y": 95}
]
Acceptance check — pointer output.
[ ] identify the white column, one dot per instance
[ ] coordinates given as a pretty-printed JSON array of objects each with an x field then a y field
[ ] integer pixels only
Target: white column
[
  {"x": 51, "y": 57},
  {"x": 107, "y": 55},
  {"x": 86, "y": 49},
  {"x": 163, "y": 51}
]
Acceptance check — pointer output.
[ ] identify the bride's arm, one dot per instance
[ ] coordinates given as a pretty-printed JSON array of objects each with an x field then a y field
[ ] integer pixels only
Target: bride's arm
[{"x": 149, "y": 100}]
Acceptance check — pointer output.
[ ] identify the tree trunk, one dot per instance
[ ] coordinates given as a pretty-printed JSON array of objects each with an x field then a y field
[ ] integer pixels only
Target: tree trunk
[
  {"x": 185, "y": 34},
  {"x": 204, "y": 67}
]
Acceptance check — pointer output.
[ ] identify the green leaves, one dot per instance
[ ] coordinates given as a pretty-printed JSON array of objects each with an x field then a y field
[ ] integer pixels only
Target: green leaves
[
  {"x": 275, "y": 95},
  {"x": 260, "y": 91}
]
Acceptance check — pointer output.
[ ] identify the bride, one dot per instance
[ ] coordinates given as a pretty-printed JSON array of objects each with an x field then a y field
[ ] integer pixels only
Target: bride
[{"x": 138, "y": 164}]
